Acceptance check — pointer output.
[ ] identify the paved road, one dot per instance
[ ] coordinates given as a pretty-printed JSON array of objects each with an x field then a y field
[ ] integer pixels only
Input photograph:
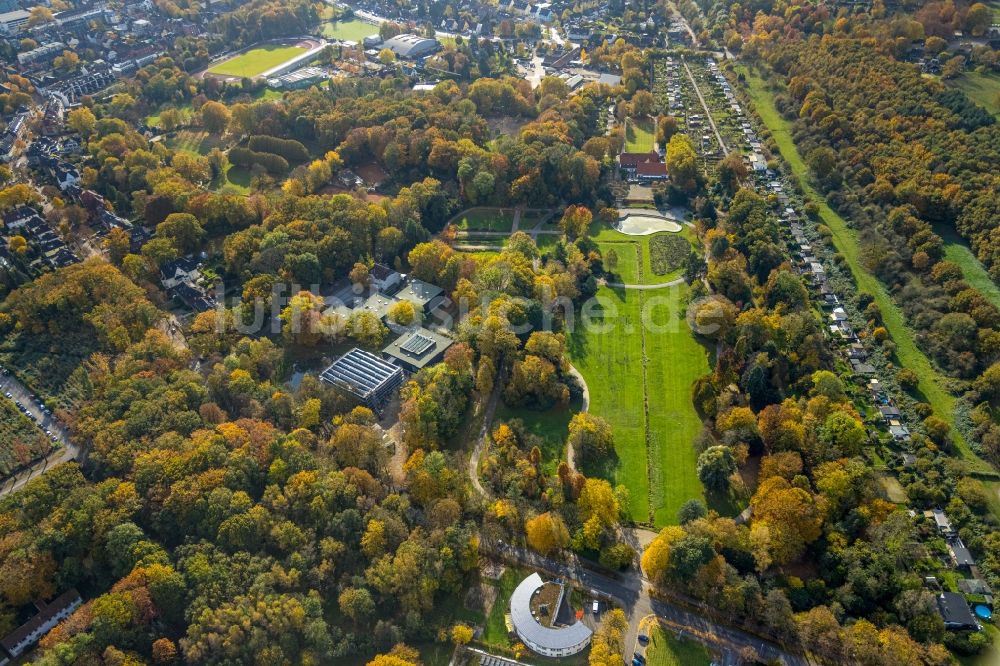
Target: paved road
[
  {"x": 632, "y": 592},
  {"x": 68, "y": 451}
]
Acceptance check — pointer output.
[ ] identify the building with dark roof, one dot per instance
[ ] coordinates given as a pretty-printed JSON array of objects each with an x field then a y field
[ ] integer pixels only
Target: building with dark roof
[
  {"x": 960, "y": 554},
  {"x": 955, "y": 611},
  {"x": 415, "y": 350},
  {"x": 559, "y": 640},
  {"x": 384, "y": 279},
  {"x": 367, "y": 377},
  {"x": 49, "y": 615}
]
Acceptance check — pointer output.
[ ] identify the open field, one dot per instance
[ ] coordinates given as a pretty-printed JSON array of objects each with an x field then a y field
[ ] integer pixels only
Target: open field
[
  {"x": 196, "y": 142},
  {"x": 983, "y": 89},
  {"x": 624, "y": 365},
  {"x": 665, "y": 649},
  {"x": 485, "y": 219},
  {"x": 639, "y": 136},
  {"x": 351, "y": 30},
  {"x": 256, "y": 61},
  {"x": 956, "y": 249},
  {"x": 932, "y": 383}
]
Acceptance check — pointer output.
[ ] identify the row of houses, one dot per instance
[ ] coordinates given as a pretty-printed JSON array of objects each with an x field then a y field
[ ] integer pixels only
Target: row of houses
[
  {"x": 47, "y": 247},
  {"x": 46, "y": 155},
  {"x": 14, "y": 132},
  {"x": 953, "y": 607}
]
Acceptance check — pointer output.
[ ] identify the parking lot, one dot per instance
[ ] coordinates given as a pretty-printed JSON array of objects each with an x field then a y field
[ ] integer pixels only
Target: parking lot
[{"x": 29, "y": 405}]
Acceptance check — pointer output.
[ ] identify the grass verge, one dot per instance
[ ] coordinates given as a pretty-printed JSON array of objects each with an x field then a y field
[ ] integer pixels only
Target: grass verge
[
  {"x": 667, "y": 650},
  {"x": 956, "y": 249}
]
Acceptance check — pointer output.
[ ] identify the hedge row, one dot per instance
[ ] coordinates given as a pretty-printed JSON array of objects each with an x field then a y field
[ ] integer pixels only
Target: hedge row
[
  {"x": 290, "y": 149},
  {"x": 248, "y": 158}
]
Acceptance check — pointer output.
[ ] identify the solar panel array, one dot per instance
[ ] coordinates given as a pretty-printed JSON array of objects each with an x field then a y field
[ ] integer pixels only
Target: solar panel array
[
  {"x": 417, "y": 345},
  {"x": 361, "y": 373},
  {"x": 491, "y": 660}
]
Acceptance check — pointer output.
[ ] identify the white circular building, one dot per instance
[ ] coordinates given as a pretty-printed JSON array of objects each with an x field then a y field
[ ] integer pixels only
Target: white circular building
[{"x": 544, "y": 620}]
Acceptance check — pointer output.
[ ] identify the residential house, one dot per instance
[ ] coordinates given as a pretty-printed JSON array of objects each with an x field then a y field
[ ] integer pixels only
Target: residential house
[{"x": 955, "y": 612}]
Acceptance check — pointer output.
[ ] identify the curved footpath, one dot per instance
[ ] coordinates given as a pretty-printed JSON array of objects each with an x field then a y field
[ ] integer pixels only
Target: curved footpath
[{"x": 585, "y": 398}]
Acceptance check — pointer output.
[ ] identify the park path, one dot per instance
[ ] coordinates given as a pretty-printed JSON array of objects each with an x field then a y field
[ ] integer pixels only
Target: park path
[
  {"x": 708, "y": 114},
  {"x": 584, "y": 407},
  {"x": 642, "y": 287},
  {"x": 489, "y": 410}
]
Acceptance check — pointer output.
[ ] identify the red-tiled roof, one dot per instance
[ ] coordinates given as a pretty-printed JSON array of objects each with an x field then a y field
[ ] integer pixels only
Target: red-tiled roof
[
  {"x": 634, "y": 159},
  {"x": 651, "y": 169}
]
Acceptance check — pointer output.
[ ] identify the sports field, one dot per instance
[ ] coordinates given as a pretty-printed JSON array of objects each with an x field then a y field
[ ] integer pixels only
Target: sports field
[
  {"x": 640, "y": 379},
  {"x": 932, "y": 384},
  {"x": 351, "y": 30},
  {"x": 256, "y": 61}
]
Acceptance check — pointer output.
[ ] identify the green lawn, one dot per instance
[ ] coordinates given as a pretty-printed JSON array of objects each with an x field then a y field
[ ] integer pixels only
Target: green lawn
[
  {"x": 656, "y": 460},
  {"x": 639, "y": 136},
  {"x": 665, "y": 649},
  {"x": 956, "y": 249},
  {"x": 351, "y": 30},
  {"x": 982, "y": 88},
  {"x": 932, "y": 383},
  {"x": 237, "y": 180},
  {"x": 196, "y": 142},
  {"x": 485, "y": 219},
  {"x": 256, "y": 61},
  {"x": 495, "y": 631},
  {"x": 551, "y": 425}
]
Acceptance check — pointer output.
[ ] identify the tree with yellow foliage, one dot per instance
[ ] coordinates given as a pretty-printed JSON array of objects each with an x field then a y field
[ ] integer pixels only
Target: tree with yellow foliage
[
  {"x": 656, "y": 558},
  {"x": 786, "y": 519},
  {"x": 461, "y": 634},
  {"x": 547, "y": 533},
  {"x": 402, "y": 313},
  {"x": 608, "y": 643}
]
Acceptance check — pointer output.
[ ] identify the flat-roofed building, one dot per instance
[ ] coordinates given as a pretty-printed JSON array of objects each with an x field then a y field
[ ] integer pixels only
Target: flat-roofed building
[
  {"x": 415, "y": 350},
  {"x": 13, "y": 22},
  {"x": 369, "y": 378},
  {"x": 550, "y": 641},
  {"x": 411, "y": 46},
  {"x": 424, "y": 295}
]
